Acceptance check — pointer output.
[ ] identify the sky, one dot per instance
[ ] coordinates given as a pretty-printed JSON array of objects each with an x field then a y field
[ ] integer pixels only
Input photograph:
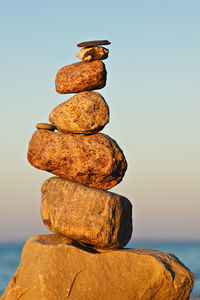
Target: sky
[{"x": 152, "y": 90}]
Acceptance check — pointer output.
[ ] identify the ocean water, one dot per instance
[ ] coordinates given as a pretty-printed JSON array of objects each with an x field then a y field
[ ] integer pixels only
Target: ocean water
[
  {"x": 10, "y": 255},
  {"x": 187, "y": 252}
]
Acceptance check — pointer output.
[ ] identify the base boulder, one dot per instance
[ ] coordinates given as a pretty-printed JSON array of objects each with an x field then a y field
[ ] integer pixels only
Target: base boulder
[{"x": 52, "y": 269}]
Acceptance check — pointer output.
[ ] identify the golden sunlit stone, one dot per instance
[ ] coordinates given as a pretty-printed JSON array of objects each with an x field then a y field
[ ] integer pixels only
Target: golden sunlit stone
[
  {"x": 95, "y": 160},
  {"x": 81, "y": 76},
  {"x": 53, "y": 269},
  {"x": 86, "y": 215},
  {"x": 85, "y": 112}
]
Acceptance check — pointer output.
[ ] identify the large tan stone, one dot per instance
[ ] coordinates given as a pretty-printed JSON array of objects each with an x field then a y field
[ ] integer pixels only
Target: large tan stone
[
  {"x": 85, "y": 112},
  {"x": 86, "y": 215},
  {"x": 51, "y": 269},
  {"x": 81, "y": 76},
  {"x": 95, "y": 160}
]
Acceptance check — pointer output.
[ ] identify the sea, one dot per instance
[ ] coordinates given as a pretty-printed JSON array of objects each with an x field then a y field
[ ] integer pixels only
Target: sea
[{"x": 187, "y": 252}]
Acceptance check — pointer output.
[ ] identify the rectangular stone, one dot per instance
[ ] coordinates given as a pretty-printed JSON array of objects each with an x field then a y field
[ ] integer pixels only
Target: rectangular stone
[{"x": 86, "y": 215}]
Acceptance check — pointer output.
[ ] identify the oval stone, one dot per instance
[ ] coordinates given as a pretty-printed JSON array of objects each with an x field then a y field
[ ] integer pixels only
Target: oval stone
[
  {"x": 88, "y": 216},
  {"x": 85, "y": 112},
  {"x": 95, "y": 160},
  {"x": 81, "y": 76}
]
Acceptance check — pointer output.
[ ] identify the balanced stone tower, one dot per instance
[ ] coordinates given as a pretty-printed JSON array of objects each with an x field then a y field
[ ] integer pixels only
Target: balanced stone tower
[{"x": 84, "y": 258}]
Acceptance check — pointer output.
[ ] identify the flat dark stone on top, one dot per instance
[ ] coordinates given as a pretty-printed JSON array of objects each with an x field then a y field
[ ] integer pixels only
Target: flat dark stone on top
[{"x": 93, "y": 43}]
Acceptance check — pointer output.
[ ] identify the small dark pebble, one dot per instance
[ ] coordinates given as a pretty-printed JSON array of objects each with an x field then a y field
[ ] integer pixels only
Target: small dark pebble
[{"x": 46, "y": 126}]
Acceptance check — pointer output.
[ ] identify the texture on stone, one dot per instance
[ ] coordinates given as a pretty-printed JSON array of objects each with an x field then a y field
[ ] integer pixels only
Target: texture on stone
[
  {"x": 52, "y": 269},
  {"x": 92, "y": 53},
  {"x": 81, "y": 76},
  {"x": 86, "y": 215},
  {"x": 95, "y": 160},
  {"x": 94, "y": 43},
  {"x": 85, "y": 112}
]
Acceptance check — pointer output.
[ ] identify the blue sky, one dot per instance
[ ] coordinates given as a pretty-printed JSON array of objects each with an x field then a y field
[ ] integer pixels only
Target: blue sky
[{"x": 152, "y": 91}]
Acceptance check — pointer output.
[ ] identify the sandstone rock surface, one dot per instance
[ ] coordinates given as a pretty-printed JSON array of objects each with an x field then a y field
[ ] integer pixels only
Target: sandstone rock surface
[
  {"x": 92, "y": 53},
  {"x": 85, "y": 112},
  {"x": 51, "y": 269},
  {"x": 95, "y": 160},
  {"x": 81, "y": 76},
  {"x": 89, "y": 216}
]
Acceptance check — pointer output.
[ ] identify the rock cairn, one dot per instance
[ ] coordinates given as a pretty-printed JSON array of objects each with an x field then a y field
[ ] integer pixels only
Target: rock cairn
[
  {"x": 75, "y": 204},
  {"x": 86, "y": 219}
]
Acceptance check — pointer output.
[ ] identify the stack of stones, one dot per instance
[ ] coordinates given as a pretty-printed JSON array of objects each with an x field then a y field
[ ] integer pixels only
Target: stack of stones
[
  {"x": 88, "y": 221},
  {"x": 76, "y": 204}
]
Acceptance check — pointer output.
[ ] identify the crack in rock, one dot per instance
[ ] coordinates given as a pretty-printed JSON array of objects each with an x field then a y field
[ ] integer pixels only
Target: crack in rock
[{"x": 72, "y": 284}]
